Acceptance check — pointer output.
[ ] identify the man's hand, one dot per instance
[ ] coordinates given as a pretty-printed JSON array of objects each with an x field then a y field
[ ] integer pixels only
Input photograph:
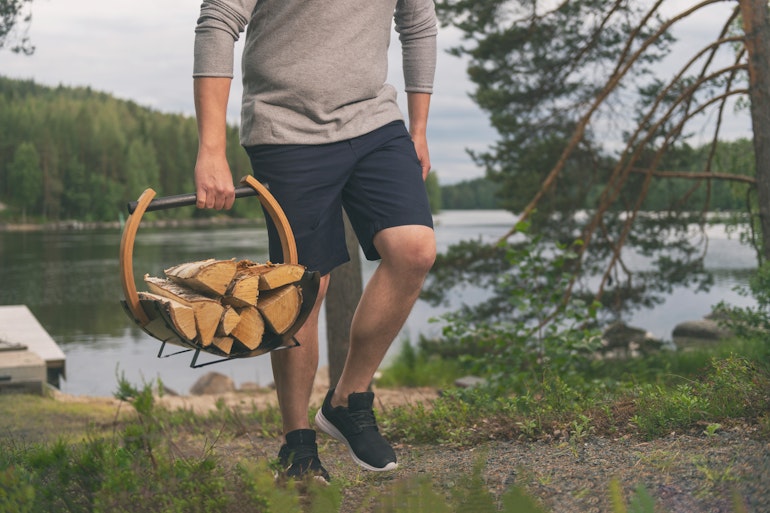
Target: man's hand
[
  {"x": 213, "y": 179},
  {"x": 421, "y": 147},
  {"x": 418, "y": 105},
  {"x": 213, "y": 183}
]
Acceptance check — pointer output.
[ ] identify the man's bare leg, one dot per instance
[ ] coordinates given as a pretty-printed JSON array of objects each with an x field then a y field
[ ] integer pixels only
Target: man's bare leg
[
  {"x": 294, "y": 370},
  {"x": 407, "y": 252}
]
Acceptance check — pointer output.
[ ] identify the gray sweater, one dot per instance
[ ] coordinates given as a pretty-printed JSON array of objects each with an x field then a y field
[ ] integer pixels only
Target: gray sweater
[{"x": 314, "y": 71}]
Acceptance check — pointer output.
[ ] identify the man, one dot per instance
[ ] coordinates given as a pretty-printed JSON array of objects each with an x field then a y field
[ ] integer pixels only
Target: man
[{"x": 323, "y": 131}]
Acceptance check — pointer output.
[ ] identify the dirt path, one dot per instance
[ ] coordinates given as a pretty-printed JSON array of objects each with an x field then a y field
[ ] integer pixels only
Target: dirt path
[{"x": 684, "y": 473}]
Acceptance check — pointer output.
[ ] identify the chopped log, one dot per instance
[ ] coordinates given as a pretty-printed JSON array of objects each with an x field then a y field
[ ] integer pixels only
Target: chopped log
[
  {"x": 208, "y": 312},
  {"x": 242, "y": 291},
  {"x": 224, "y": 344},
  {"x": 250, "y": 329},
  {"x": 180, "y": 315},
  {"x": 228, "y": 322},
  {"x": 158, "y": 327},
  {"x": 273, "y": 276},
  {"x": 230, "y": 302},
  {"x": 207, "y": 276},
  {"x": 280, "y": 307}
]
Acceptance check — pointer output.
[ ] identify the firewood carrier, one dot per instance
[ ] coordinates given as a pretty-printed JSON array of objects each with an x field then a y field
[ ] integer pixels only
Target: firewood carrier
[{"x": 308, "y": 284}]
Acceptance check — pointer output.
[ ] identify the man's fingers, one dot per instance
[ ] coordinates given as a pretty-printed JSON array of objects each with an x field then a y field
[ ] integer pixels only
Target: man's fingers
[
  {"x": 216, "y": 200},
  {"x": 200, "y": 199},
  {"x": 229, "y": 201},
  {"x": 225, "y": 199}
]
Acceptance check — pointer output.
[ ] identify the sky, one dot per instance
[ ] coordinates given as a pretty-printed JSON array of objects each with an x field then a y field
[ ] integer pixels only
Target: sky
[{"x": 141, "y": 50}]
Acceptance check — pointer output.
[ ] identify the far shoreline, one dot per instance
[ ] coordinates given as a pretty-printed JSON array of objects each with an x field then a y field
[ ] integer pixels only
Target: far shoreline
[{"x": 75, "y": 225}]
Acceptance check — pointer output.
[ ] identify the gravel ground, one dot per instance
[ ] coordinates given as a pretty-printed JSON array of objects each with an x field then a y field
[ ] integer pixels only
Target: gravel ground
[{"x": 684, "y": 474}]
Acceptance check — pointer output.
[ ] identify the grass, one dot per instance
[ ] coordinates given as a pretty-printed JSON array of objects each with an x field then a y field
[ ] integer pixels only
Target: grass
[
  {"x": 28, "y": 417},
  {"x": 72, "y": 457},
  {"x": 666, "y": 392}
]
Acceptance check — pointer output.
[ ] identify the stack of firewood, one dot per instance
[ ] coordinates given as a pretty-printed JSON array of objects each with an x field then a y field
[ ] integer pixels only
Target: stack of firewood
[{"x": 223, "y": 303}]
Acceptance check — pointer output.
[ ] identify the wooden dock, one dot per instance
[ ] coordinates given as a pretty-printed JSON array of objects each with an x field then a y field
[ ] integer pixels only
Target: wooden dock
[{"x": 29, "y": 357}]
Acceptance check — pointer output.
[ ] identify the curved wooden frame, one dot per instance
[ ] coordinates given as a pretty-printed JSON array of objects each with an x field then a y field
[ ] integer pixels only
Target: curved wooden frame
[{"x": 271, "y": 206}]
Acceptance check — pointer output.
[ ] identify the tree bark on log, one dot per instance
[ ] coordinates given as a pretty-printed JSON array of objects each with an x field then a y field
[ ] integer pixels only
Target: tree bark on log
[
  {"x": 181, "y": 316},
  {"x": 230, "y": 319},
  {"x": 206, "y": 276},
  {"x": 251, "y": 327},
  {"x": 242, "y": 291},
  {"x": 273, "y": 276},
  {"x": 208, "y": 312},
  {"x": 280, "y": 307}
]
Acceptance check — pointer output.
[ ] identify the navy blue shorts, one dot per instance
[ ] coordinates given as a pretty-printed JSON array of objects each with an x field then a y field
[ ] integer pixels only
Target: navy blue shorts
[{"x": 376, "y": 178}]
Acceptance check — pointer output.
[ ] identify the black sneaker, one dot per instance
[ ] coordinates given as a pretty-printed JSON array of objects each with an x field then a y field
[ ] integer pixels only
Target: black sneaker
[
  {"x": 298, "y": 457},
  {"x": 357, "y": 428}
]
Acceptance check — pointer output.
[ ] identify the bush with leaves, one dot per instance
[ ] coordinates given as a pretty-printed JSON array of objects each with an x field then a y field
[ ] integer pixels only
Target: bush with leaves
[{"x": 536, "y": 331}]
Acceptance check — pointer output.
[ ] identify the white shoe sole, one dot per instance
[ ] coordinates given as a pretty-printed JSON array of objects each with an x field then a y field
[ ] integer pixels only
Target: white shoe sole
[{"x": 329, "y": 428}]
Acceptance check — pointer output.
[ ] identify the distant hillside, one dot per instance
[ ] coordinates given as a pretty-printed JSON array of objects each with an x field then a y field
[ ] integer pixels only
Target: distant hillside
[
  {"x": 664, "y": 194},
  {"x": 74, "y": 153},
  {"x": 479, "y": 193}
]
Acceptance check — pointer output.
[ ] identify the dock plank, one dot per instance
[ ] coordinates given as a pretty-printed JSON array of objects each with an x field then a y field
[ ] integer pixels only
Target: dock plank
[
  {"x": 18, "y": 326},
  {"x": 22, "y": 371}
]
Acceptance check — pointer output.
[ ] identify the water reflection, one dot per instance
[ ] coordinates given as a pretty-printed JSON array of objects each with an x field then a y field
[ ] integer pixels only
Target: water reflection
[{"x": 71, "y": 282}]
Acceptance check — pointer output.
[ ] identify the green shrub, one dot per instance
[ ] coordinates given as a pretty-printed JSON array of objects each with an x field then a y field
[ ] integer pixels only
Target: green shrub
[
  {"x": 733, "y": 387},
  {"x": 17, "y": 493},
  {"x": 421, "y": 366},
  {"x": 539, "y": 332}
]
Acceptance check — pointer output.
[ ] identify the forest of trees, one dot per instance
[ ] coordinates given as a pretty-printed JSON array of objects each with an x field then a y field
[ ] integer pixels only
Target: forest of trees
[
  {"x": 479, "y": 193},
  {"x": 730, "y": 157},
  {"x": 73, "y": 153}
]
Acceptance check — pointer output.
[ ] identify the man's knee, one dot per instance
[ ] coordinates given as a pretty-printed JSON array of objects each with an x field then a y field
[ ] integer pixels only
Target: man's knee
[
  {"x": 410, "y": 248},
  {"x": 420, "y": 256}
]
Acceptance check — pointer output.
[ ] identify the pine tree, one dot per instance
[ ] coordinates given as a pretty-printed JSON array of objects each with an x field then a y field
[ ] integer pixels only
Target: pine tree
[{"x": 25, "y": 177}]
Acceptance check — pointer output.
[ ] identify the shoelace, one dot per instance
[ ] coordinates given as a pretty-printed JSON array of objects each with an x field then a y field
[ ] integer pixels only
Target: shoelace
[
  {"x": 302, "y": 459},
  {"x": 300, "y": 453},
  {"x": 364, "y": 418}
]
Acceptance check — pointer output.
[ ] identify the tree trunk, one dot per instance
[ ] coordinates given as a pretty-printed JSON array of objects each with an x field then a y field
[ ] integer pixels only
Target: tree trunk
[
  {"x": 345, "y": 288},
  {"x": 756, "y": 25}
]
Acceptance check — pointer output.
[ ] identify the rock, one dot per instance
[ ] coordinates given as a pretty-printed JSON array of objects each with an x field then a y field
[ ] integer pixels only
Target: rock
[
  {"x": 620, "y": 340},
  {"x": 469, "y": 382},
  {"x": 212, "y": 383},
  {"x": 249, "y": 386},
  {"x": 698, "y": 333}
]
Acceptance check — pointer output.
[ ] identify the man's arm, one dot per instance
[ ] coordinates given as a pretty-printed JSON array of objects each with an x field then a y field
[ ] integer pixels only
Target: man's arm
[
  {"x": 219, "y": 26},
  {"x": 213, "y": 178},
  {"x": 417, "y": 27},
  {"x": 418, "y": 105}
]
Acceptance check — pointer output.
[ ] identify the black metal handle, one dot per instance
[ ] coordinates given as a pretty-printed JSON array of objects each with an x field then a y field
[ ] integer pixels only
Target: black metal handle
[{"x": 185, "y": 200}]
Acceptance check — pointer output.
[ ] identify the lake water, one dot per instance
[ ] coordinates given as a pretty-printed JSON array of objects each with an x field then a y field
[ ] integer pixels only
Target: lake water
[{"x": 70, "y": 282}]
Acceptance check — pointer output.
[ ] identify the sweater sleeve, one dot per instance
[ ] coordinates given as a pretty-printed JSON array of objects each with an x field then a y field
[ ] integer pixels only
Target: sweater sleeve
[
  {"x": 416, "y": 25},
  {"x": 219, "y": 26}
]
